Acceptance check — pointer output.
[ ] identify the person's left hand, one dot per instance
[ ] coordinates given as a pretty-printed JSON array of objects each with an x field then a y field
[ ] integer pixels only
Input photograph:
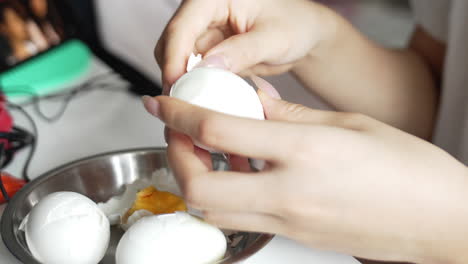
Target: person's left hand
[{"x": 336, "y": 181}]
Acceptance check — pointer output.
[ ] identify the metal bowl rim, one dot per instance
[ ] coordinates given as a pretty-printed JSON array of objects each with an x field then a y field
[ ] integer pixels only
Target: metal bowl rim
[{"x": 8, "y": 235}]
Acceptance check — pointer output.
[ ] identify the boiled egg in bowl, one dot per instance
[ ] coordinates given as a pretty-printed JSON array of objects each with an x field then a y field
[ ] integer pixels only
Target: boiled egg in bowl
[
  {"x": 177, "y": 238},
  {"x": 67, "y": 227}
]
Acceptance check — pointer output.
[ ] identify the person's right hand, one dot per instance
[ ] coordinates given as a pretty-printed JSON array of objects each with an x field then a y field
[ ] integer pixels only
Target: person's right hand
[
  {"x": 335, "y": 181},
  {"x": 261, "y": 37}
]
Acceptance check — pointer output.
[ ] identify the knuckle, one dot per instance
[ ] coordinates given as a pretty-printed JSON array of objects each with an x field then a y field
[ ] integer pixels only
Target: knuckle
[
  {"x": 354, "y": 121},
  {"x": 294, "y": 111},
  {"x": 299, "y": 206},
  {"x": 191, "y": 193},
  {"x": 288, "y": 207},
  {"x": 172, "y": 28},
  {"x": 158, "y": 52},
  {"x": 303, "y": 147},
  {"x": 283, "y": 207},
  {"x": 208, "y": 132}
]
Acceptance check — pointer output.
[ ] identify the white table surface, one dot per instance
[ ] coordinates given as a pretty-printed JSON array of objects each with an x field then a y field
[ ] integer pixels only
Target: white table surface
[{"x": 102, "y": 121}]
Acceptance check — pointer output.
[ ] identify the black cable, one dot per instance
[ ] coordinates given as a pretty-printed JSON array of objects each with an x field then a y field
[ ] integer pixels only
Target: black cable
[
  {"x": 66, "y": 96},
  {"x": 34, "y": 139},
  {"x": 26, "y": 89},
  {"x": 20, "y": 138},
  {"x": 17, "y": 139}
]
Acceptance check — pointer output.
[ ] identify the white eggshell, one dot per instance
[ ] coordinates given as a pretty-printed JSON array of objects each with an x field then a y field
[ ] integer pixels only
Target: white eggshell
[
  {"x": 67, "y": 227},
  {"x": 177, "y": 238},
  {"x": 219, "y": 90},
  {"x": 116, "y": 207},
  {"x": 193, "y": 61}
]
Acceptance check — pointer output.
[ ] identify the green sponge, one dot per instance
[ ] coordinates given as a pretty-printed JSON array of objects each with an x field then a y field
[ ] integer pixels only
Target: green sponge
[{"x": 49, "y": 72}]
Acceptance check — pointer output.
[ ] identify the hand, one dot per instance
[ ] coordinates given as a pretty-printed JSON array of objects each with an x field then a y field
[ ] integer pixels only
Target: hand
[
  {"x": 261, "y": 37},
  {"x": 337, "y": 181}
]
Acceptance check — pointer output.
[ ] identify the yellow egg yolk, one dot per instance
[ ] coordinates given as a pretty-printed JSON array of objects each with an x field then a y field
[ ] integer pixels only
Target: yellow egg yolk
[{"x": 157, "y": 202}]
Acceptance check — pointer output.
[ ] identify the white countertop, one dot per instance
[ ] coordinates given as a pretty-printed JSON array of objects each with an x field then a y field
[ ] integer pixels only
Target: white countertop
[{"x": 102, "y": 121}]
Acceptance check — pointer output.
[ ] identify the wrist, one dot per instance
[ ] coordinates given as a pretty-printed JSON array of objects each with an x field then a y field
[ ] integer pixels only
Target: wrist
[
  {"x": 327, "y": 26},
  {"x": 329, "y": 29}
]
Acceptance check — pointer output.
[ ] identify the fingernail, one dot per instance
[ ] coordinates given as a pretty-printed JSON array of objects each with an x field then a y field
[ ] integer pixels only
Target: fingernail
[
  {"x": 213, "y": 61},
  {"x": 266, "y": 87},
  {"x": 151, "y": 105}
]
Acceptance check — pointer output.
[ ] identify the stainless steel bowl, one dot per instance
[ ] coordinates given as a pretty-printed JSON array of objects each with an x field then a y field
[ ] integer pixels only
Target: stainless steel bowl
[{"x": 101, "y": 177}]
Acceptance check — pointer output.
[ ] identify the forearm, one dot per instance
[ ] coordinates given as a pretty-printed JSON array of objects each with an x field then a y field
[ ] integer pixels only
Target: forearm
[
  {"x": 354, "y": 74},
  {"x": 442, "y": 235},
  {"x": 450, "y": 233}
]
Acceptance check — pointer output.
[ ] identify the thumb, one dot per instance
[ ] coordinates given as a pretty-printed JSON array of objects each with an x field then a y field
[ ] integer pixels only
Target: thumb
[
  {"x": 280, "y": 110},
  {"x": 240, "y": 52}
]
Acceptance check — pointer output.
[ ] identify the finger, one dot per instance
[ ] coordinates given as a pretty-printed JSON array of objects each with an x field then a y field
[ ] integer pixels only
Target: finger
[
  {"x": 225, "y": 191},
  {"x": 178, "y": 41},
  {"x": 205, "y": 157},
  {"x": 227, "y": 133},
  {"x": 229, "y": 191},
  {"x": 243, "y": 51},
  {"x": 208, "y": 40},
  {"x": 265, "y": 69},
  {"x": 280, "y": 110},
  {"x": 159, "y": 52},
  {"x": 182, "y": 158},
  {"x": 266, "y": 87},
  {"x": 239, "y": 163},
  {"x": 248, "y": 222}
]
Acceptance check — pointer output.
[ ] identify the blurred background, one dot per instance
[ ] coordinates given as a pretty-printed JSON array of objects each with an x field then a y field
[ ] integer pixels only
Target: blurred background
[
  {"x": 129, "y": 30},
  {"x": 134, "y": 34}
]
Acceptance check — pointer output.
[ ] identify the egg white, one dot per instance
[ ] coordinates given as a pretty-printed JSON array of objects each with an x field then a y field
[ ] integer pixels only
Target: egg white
[
  {"x": 177, "y": 238},
  {"x": 219, "y": 90},
  {"x": 67, "y": 227}
]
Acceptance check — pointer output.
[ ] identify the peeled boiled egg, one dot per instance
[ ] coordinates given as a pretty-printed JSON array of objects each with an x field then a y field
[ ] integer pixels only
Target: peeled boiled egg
[
  {"x": 177, "y": 238},
  {"x": 67, "y": 227},
  {"x": 218, "y": 90}
]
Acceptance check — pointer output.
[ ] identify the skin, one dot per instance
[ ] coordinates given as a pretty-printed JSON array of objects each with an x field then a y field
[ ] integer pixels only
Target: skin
[
  {"x": 361, "y": 181},
  {"x": 39, "y": 7},
  {"x": 317, "y": 44},
  {"x": 15, "y": 28},
  {"x": 302, "y": 184}
]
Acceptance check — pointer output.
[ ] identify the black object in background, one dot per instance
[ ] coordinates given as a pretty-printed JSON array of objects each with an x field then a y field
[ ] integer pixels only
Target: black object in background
[{"x": 84, "y": 17}]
